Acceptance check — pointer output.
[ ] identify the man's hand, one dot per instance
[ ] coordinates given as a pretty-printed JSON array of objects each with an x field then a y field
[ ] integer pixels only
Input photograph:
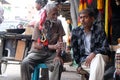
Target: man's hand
[
  {"x": 89, "y": 59},
  {"x": 58, "y": 59},
  {"x": 58, "y": 45}
]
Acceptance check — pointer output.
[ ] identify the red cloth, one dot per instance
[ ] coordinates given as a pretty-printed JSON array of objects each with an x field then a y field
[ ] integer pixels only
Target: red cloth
[
  {"x": 89, "y": 2},
  {"x": 42, "y": 19}
]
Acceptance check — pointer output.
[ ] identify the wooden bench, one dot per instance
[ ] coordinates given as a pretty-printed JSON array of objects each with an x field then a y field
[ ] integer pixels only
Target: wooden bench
[{"x": 19, "y": 55}]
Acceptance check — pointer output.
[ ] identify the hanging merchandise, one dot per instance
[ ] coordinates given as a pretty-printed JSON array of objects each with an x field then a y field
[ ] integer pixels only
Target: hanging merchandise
[
  {"x": 89, "y": 2},
  {"x": 106, "y": 17},
  {"x": 108, "y": 14},
  {"x": 82, "y": 5},
  {"x": 100, "y": 7},
  {"x": 100, "y": 4}
]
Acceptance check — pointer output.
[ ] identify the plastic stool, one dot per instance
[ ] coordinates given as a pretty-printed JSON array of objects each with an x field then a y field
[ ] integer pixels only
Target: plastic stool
[{"x": 35, "y": 75}]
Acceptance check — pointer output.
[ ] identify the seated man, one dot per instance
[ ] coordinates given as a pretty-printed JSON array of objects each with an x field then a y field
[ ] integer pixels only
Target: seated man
[
  {"x": 46, "y": 46},
  {"x": 90, "y": 46}
]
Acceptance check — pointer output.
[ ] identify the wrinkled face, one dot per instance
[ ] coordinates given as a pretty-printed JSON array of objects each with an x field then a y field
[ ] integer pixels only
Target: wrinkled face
[
  {"x": 38, "y": 6},
  {"x": 86, "y": 20},
  {"x": 53, "y": 14}
]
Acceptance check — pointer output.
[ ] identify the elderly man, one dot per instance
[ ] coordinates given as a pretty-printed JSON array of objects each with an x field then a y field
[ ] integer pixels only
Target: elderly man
[
  {"x": 90, "y": 46},
  {"x": 45, "y": 50}
]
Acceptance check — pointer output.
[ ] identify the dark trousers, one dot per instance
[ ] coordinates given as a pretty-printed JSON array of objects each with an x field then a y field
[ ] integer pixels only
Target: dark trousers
[
  {"x": 33, "y": 59},
  {"x": 44, "y": 74}
]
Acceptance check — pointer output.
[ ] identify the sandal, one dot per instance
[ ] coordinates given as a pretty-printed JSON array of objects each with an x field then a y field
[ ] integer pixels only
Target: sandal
[{"x": 81, "y": 71}]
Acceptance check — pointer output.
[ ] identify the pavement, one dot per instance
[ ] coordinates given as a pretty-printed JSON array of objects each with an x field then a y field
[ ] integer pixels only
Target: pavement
[{"x": 13, "y": 73}]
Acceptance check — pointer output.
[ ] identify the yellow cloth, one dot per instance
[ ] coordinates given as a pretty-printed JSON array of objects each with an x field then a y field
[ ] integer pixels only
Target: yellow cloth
[
  {"x": 99, "y": 4},
  {"x": 106, "y": 16}
]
